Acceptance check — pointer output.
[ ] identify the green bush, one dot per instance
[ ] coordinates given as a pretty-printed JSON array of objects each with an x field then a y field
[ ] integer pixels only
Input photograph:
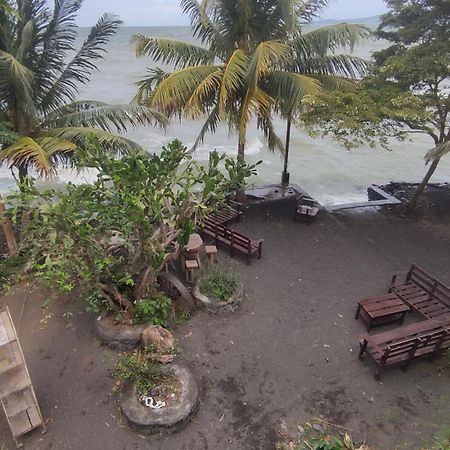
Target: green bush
[
  {"x": 153, "y": 311},
  {"x": 139, "y": 369},
  {"x": 219, "y": 284}
]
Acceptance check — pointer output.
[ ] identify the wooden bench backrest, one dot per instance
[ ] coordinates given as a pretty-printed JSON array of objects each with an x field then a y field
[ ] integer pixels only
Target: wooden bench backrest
[
  {"x": 406, "y": 347},
  {"x": 424, "y": 280},
  {"x": 234, "y": 237}
]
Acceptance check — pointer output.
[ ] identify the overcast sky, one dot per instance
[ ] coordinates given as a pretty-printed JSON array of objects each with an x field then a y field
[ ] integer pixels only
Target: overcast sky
[{"x": 168, "y": 12}]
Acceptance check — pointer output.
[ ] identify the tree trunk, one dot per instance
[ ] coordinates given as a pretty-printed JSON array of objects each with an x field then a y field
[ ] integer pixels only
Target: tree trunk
[
  {"x": 8, "y": 231},
  {"x": 240, "y": 193},
  {"x": 285, "y": 174},
  {"x": 413, "y": 203}
]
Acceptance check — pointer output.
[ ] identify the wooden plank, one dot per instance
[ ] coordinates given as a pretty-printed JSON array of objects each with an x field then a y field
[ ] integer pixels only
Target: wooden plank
[
  {"x": 389, "y": 312},
  {"x": 35, "y": 417},
  {"x": 20, "y": 423}
]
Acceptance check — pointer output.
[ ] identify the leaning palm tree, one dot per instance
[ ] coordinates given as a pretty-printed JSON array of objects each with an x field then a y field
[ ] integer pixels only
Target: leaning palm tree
[
  {"x": 242, "y": 68},
  {"x": 38, "y": 88}
]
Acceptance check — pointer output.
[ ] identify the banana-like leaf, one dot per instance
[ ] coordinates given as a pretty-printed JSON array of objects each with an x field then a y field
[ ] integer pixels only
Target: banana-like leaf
[{"x": 172, "y": 51}]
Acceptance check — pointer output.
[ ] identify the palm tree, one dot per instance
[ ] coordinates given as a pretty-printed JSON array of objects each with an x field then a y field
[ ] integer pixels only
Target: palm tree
[
  {"x": 245, "y": 66},
  {"x": 234, "y": 76},
  {"x": 315, "y": 54},
  {"x": 38, "y": 88}
]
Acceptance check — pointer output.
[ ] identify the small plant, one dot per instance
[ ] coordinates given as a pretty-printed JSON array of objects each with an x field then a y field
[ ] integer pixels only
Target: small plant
[
  {"x": 10, "y": 272},
  {"x": 138, "y": 368},
  {"x": 219, "y": 284},
  {"x": 315, "y": 436},
  {"x": 153, "y": 311}
]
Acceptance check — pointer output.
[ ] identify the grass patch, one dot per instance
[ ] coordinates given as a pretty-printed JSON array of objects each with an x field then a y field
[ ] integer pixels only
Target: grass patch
[{"x": 219, "y": 284}]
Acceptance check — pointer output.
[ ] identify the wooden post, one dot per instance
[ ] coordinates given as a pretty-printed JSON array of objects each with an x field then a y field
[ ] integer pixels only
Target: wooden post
[{"x": 8, "y": 231}]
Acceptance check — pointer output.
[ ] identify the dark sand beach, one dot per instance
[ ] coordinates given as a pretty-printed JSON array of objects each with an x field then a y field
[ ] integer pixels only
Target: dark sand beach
[{"x": 289, "y": 354}]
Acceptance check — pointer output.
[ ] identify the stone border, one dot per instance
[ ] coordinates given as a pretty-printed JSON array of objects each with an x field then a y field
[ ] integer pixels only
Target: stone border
[
  {"x": 214, "y": 307},
  {"x": 116, "y": 335},
  {"x": 167, "y": 419}
]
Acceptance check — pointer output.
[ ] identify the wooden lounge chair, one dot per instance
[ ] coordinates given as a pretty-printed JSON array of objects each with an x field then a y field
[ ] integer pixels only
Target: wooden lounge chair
[
  {"x": 225, "y": 216},
  {"x": 306, "y": 209}
]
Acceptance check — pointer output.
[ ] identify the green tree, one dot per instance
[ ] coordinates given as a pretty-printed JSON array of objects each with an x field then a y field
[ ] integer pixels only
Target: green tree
[
  {"x": 113, "y": 237},
  {"x": 406, "y": 91},
  {"x": 241, "y": 69},
  {"x": 38, "y": 88}
]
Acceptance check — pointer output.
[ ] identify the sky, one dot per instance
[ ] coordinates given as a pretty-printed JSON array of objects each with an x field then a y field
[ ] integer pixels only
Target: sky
[{"x": 168, "y": 12}]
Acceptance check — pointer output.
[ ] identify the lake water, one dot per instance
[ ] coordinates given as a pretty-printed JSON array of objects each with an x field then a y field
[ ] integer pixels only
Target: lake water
[{"x": 327, "y": 171}]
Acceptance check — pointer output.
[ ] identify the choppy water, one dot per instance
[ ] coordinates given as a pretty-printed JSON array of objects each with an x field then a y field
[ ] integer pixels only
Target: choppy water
[{"x": 330, "y": 173}]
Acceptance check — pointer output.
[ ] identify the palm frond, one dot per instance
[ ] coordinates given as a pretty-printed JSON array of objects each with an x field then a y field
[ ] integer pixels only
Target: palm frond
[
  {"x": 81, "y": 136},
  {"x": 336, "y": 64},
  {"x": 38, "y": 153},
  {"x": 308, "y": 10},
  {"x": 268, "y": 54},
  {"x": 104, "y": 116},
  {"x": 171, "y": 51},
  {"x": 147, "y": 85},
  {"x": 174, "y": 92},
  {"x": 289, "y": 89},
  {"x": 327, "y": 39},
  {"x": 211, "y": 123},
  {"x": 233, "y": 77},
  {"x": 79, "y": 69},
  {"x": 205, "y": 94}
]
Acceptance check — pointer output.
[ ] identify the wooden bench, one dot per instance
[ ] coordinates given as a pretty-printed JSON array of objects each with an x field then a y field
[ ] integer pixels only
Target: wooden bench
[
  {"x": 306, "y": 208},
  {"x": 233, "y": 239},
  {"x": 424, "y": 293},
  {"x": 225, "y": 216},
  {"x": 402, "y": 345}
]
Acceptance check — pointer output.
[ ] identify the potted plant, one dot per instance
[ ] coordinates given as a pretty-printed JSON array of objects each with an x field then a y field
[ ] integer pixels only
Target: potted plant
[
  {"x": 218, "y": 289},
  {"x": 154, "y": 398}
]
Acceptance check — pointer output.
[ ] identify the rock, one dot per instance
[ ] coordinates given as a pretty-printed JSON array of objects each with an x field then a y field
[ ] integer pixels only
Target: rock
[
  {"x": 165, "y": 359},
  {"x": 158, "y": 338}
]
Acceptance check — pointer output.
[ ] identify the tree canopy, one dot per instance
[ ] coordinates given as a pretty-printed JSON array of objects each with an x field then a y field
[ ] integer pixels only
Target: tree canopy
[
  {"x": 111, "y": 238},
  {"x": 252, "y": 61},
  {"x": 406, "y": 91}
]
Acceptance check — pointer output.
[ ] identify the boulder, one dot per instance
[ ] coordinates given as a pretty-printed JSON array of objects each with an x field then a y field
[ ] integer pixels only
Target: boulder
[{"x": 159, "y": 338}]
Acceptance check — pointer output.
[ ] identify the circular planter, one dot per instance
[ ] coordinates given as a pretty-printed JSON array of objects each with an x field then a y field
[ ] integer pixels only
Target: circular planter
[
  {"x": 117, "y": 335},
  {"x": 214, "y": 306},
  {"x": 166, "y": 419}
]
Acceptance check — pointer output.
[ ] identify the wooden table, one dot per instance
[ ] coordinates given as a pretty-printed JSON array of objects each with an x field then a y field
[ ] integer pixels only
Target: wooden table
[
  {"x": 193, "y": 248},
  {"x": 382, "y": 309}
]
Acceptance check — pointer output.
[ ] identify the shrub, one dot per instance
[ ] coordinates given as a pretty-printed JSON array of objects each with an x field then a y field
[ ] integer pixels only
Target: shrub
[
  {"x": 153, "y": 311},
  {"x": 219, "y": 284}
]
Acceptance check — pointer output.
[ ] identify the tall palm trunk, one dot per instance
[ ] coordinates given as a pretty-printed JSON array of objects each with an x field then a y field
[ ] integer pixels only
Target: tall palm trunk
[
  {"x": 240, "y": 193},
  {"x": 8, "y": 231},
  {"x": 413, "y": 203},
  {"x": 285, "y": 174}
]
